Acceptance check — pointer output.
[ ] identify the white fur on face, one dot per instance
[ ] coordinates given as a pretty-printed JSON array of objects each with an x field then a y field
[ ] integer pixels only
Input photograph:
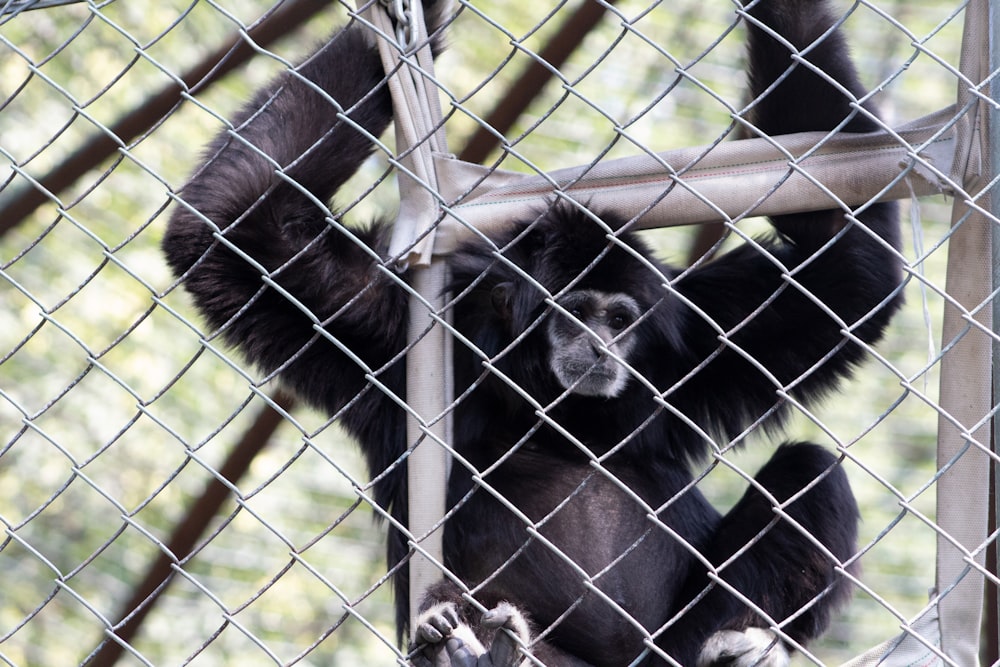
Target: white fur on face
[{"x": 582, "y": 343}]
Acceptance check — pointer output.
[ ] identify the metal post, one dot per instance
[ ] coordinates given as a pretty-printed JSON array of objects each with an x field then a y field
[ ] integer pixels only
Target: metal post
[
  {"x": 992, "y": 149},
  {"x": 429, "y": 382},
  {"x": 428, "y": 392}
]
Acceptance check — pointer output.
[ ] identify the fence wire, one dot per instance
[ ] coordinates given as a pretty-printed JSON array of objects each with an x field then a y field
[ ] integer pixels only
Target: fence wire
[{"x": 165, "y": 502}]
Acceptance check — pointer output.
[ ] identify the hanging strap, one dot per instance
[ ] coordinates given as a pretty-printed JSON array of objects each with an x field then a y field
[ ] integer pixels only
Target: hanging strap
[{"x": 409, "y": 65}]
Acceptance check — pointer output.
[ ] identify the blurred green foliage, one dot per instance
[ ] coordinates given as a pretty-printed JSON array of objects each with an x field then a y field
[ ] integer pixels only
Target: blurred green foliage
[{"x": 114, "y": 411}]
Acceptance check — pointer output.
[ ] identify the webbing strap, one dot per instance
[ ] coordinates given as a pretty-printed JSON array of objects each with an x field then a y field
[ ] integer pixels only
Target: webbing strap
[{"x": 417, "y": 121}]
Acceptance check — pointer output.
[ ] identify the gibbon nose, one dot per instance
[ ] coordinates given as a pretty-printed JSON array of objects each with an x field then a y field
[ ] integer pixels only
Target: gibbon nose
[{"x": 600, "y": 344}]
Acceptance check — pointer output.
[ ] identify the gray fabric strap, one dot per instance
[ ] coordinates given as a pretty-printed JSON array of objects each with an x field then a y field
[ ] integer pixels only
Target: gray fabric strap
[{"x": 417, "y": 121}]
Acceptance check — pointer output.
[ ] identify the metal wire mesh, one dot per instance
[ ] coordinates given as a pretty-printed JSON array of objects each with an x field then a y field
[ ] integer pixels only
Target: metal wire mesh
[{"x": 152, "y": 481}]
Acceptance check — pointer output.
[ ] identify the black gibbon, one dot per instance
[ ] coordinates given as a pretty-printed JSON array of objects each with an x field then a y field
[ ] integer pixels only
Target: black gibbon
[{"x": 625, "y": 370}]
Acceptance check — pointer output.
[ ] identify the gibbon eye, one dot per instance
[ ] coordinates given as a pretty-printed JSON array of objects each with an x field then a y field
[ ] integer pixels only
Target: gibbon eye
[
  {"x": 618, "y": 322},
  {"x": 576, "y": 312}
]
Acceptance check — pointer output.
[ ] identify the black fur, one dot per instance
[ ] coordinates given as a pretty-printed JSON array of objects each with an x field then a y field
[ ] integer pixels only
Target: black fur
[{"x": 704, "y": 381}]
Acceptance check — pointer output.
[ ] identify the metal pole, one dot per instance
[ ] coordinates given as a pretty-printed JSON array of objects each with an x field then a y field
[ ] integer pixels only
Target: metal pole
[
  {"x": 428, "y": 393},
  {"x": 419, "y": 133},
  {"x": 992, "y": 149}
]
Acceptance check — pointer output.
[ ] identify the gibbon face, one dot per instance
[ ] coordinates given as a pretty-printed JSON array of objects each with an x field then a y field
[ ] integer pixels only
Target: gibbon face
[{"x": 585, "y": 339}]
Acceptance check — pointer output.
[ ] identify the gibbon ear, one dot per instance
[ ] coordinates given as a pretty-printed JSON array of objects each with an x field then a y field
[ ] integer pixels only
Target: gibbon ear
[{"x": 501, "y": 297}]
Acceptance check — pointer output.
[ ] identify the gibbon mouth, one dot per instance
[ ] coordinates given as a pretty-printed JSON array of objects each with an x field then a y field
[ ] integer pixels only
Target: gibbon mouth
[
  {"x": 598, "y": 379},
  {"x": 605, "y": 367}
]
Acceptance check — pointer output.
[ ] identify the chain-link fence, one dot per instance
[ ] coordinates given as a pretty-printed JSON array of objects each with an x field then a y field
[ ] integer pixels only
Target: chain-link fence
[{"x": 204, "y": 454}]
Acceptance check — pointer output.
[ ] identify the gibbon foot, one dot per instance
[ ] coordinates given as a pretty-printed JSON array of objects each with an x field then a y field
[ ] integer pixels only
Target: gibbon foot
[
  {"x": 448, "y": 642},
  {"x": 753, "y": 647}
]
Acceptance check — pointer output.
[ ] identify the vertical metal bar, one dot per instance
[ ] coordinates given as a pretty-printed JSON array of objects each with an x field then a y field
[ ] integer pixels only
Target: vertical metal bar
[
  {"x": 428, "y": 393},
  {"x": 429, "y": 381},
  {"x": 966, "y": 381},
  {"x": 992, "y": 149}
]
